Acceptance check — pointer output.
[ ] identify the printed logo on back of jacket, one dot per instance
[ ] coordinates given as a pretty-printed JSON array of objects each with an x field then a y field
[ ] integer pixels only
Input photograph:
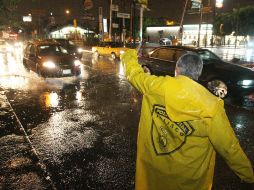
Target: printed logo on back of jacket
[{"x": 167, "y": 136}]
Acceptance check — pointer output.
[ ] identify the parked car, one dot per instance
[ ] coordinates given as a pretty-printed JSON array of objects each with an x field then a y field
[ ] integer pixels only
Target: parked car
[
  {"x": 218, "y": 76},
  {"x": 71, "y": 47},
  {"x": 165, "y": 41},
  {"x": 113, "y": 49},
  {"x": 50, "y": 59}
]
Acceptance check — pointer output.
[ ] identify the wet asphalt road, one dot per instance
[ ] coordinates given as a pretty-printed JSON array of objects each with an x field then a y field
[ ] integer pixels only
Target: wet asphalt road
[{"x": 84, "y": 129}]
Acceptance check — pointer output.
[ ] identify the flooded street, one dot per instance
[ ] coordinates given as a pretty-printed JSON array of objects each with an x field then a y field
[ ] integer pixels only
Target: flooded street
[{"x": 84, "y": 129}]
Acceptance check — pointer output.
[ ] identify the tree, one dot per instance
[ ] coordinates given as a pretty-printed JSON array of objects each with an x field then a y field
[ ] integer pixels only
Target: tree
[
  {"x": 8, "y": 13},
  {"x": 240, "y": 21},
  {"x": 244, "y": 20},
  {"x": 223, "y": 24},
  {"x": 148, "y": 21}
]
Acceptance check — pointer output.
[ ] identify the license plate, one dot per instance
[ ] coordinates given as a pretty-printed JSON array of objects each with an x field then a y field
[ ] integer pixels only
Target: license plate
[{"x": 66, "y": 71}]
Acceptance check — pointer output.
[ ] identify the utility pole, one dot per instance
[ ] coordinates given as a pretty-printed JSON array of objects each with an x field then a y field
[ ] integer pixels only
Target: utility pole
[
  {"x": 141, "y": 24},
  {"x": 180, "y": 32},
  {"x": 214, "y": 15},
  {"x": 134, "y": 23},
  {"x": 200, "y": 22},
  {"x": 110, "y": 20}
]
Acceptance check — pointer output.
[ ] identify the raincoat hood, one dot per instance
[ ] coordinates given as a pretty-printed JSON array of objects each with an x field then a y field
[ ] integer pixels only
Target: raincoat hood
[{"x": 182, "y": 100}]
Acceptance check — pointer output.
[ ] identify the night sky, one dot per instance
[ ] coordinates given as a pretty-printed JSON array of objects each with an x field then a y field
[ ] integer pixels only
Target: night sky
[{"x": 158, "y": 8}]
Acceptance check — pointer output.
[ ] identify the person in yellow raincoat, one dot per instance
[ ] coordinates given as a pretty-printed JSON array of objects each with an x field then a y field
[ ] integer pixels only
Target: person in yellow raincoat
[{"x": 181, "y": 126}]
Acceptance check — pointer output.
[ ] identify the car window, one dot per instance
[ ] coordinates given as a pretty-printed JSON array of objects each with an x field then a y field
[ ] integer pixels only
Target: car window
[
  {"x": 178, "y": 54},
  {"x": 27, "y": 50},
  {"x": 164, "y": 54},
  {"x": 115, "y": 45},
  {"x": 51, "y": 49},
  {"x": 207, "y": 55},
  {"x": 102, "y": 44},
  {"x": 32, "y": 50}
]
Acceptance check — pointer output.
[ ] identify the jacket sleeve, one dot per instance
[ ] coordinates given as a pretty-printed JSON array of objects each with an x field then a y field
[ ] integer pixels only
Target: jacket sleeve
[
  {"x": 138, "y": 78},
  {"x": 227, "y": 145}
]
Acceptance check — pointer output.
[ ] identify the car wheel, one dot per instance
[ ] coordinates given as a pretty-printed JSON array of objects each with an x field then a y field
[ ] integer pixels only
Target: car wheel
[
  {"x": 218, "y": 88},
  {"x": 113, "y": 56},
  {"x": 146, "y": 70}
]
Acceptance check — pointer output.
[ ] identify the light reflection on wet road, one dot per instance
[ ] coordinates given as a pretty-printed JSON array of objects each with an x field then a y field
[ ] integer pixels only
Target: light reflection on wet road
[{"x": 85, "y": 128}]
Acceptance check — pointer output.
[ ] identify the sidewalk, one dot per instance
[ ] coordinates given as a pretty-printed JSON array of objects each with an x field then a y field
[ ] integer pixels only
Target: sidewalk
[{"x": 20, "y": 167}]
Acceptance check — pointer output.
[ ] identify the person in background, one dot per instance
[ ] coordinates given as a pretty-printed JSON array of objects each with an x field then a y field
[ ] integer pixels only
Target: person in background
[{"x": 182, "y": 126}]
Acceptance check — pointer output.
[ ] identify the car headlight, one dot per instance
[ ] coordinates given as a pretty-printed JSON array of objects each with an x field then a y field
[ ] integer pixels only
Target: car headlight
[
  {"x": 77, "y": 63},
  {"x": 246, "y": 82},
  {"x": 122, "y": 52},
  {"x": 49, "y": 65},
  {"x": 80, "y": 50}
]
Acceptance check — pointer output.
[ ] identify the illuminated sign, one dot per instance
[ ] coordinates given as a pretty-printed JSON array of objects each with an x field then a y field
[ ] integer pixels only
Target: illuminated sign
[
  {"x": 219, "y": 3},
  {"x": 195, "y": 4},
  {"x": 27, "y": 18},
  {"x": 105, "y": 25}
]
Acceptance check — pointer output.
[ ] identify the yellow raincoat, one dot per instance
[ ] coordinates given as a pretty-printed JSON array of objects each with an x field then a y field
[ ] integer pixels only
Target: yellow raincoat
[{"x": 181, "y": 126}]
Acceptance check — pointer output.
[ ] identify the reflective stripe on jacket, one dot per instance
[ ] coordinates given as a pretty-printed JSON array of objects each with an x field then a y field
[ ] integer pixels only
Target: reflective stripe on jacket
[{"x": 181, "y": 126}]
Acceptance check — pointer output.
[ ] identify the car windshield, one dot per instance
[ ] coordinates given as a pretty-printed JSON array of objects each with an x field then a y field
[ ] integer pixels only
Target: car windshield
[
  {"x": 111, "y": 44},
  {"x": 208, "y": 56},
  {"x": 51, "y": 50},
  {"x": 115, "y": 45}
]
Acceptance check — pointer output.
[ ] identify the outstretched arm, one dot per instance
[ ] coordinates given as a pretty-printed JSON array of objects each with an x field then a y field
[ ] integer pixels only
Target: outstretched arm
[
  {"x": 142, "y": 81},
  {"x": 226, "y": 144}
]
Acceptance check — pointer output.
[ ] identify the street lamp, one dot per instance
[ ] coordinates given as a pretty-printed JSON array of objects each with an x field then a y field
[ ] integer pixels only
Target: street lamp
[{"x": 67, "y": 11}]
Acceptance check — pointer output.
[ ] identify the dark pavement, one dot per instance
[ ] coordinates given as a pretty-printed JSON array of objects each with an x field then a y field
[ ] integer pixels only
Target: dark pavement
[{"x": 81, "y": 133}]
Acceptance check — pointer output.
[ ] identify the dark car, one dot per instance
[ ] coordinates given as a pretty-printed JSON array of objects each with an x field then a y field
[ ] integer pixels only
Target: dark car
[
  {"x": 218, "y": 76},
  {"x": 71, "y": 47},
  {"x": 50, "y": 59}
]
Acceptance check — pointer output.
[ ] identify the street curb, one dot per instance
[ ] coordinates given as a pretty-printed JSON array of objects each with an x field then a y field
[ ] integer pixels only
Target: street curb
[{"x": 34, "y": 153}]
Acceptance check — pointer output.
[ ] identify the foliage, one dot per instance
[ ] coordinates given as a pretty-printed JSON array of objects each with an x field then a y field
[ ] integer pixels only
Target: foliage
[
  {"x": 148, "y": 21},
  {"x": 223, "y": 24},
  {"x": 8, "y": 13},
  {"x": 91, "y": 40},
  {"x": 240, "y": 21}
]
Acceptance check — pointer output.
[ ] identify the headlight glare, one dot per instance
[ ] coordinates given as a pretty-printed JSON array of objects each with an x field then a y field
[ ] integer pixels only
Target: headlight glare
[
  {"x": 77, "y": 63},
  {"x": 246, "y": 82},
  {"x": 80, "y": 50},
  {"x": 49, "y": 64}
]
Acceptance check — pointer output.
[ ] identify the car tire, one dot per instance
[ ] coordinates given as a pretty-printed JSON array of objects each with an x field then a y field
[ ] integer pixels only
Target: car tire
[
  {"x": 113, "y": 55},
  {"x": 146, "y": 69},
  {"x": 218, "y": 88}
]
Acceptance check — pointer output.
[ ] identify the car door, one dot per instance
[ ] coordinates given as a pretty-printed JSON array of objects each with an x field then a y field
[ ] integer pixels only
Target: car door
[
  {"x": 108, "y": 48},
  {"x": 100, "y": 48},
  {"x": 162, "y": 62}
]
